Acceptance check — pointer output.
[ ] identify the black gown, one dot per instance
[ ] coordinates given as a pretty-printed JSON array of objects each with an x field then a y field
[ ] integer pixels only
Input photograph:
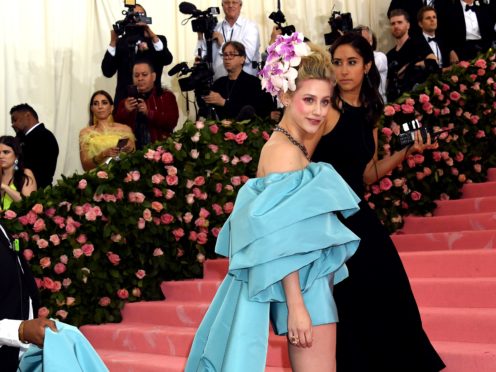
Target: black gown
[{"x": 379, "y": 327}]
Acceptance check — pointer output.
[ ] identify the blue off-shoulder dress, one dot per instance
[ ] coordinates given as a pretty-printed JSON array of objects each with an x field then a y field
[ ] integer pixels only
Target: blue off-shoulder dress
[{"x": 281, "y": 223}]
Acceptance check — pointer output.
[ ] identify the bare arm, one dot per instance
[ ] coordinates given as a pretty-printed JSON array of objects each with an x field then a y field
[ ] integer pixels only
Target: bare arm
[{"x": 299, "y": 322}]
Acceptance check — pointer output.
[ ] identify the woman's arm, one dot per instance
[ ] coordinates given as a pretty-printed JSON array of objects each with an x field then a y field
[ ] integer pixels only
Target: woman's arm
[
  {"x": 376, "y": 169},
  {"x": 29, "y": 184},
  {"x": 299, "y": 322}
]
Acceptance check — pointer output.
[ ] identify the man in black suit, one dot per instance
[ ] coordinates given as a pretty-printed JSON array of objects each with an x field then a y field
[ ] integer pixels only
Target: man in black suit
[
  {"x": 18, "y": 305},
  {"x": 39, "y": 146},
  {"x": 412, "y": 7},
  {"x": 138, "y": 42},
  {"x": 433, "y": 53},
  {"x": 467, "y": 26}
]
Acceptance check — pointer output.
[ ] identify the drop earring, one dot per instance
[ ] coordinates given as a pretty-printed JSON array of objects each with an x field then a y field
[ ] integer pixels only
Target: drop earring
[{"x": 16, "y": 167}]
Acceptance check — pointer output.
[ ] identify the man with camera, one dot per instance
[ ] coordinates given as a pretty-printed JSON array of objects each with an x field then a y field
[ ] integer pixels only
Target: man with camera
[
  {"x": 132, "y": 39},
  {"x": 149, "y": 110},
  {"x": 233, "y": 28}
]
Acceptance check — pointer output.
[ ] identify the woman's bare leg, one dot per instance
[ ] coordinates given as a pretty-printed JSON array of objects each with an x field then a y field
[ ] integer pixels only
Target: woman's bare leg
[{"x": 321, "y": 356}]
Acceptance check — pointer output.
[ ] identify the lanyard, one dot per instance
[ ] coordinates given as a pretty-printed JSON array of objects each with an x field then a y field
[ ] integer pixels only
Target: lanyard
[{"x": 224, "y": 34}]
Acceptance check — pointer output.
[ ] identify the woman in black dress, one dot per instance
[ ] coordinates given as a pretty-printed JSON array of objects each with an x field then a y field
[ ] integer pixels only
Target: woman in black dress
[{"x": 379, "y": 327}]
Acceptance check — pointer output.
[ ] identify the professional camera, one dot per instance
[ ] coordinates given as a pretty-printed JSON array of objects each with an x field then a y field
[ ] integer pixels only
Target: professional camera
[
  {"x": 279, "y": 18},
  {"x": 131, "y": 18},
  {"x": 199, "y": 80},
  {"x": 340, "y": 23},
  {"x": 205, "y": 21},
  {"x": 408, "y": 131}
]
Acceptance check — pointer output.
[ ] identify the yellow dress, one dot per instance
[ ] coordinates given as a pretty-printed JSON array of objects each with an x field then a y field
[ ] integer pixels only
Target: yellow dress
[
  {"x": 6, "y": 199},
  {"x": 93, "y": 142}
]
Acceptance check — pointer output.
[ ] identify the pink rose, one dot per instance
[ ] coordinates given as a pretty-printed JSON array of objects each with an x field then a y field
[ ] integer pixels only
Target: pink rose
[
  {"x": 389, "y": 110},
  {"x": 82, "y": 184},
  {"x": 200, "y": 257},
  {"x": 375, "y": 189},
  {"x": 167, "y": 158},
  {"x": 10, "y": 215},
  {"x": 202, "y": 238},
  {"x": 178, "y": 233},
  {"x": 43, "y": 312},
  {"x": 77, "y": 252},
  {"x": 157, "y": 193},
  {"x": 235, "y": 160},
  {"x": 194, "y": 153},
  {"x": 140, "y": 274},
  {"x": 157, "y": 179},
  {"x": 90, "y": 215},
  {"x": 88, "y": 249},
  {"x": 199, "y": 124},
  {"x": 217, "y": 209},
  {"x": 190, "y": 199},
  {"x": 69, "y": 301},
  {"x": 116, "y": 238},
  {"x": 141, "y": 223},
  {"x": 477, "y": 168},
  {"x": 178, "y": 146},
  {"x": 64, "y": 259},
  {"x": 228, "y": 207},
  {"x": 225, "y": 158},
  {"x": 28, "y": 254},
  {"x": 213, "y": 128},
  {"x": 136, "y": 197},
  {"x": 415, "y": 195},
  {"x": 37, "y": 208},
  {"x": 213, "y": 148},
  {"x": 407, "y": 109},
  {"x": 150, "y": 154},
  {"x": 172, "y": 180},
  {"x": 236, "y": 180},
  {"x": 455, "y": 96},
  {"x": 62, "y": 314},
  {"x": 45, "y": 262},
  {"x": 169, "y": 194},
  {"x": 199, "y": 181},
  {"x": 123, "y": 294},
  {"x": 113, "y": 258},
  {"x": 424, "y": 98},
  {"x": 39, "y": 225},
  {"x": 385, "y": 184},
  {"x": 81, "y": 239},
  {"x": 59, "y": 268},
  {"x": 215, "y": 232},
  {"x": 418, "y": 158},
  {"x": 166, "y": 218},
  {"x": 102, "y": 174},
  {"x": 195, "y": 137},
  {"x": 229, "y": 136},
  {"x": 136, "y": 292},
  {"x": 158, "y": 252},
  {"x": 42, "y": 243},
  {"x": 104, "y": 301},
  {"x": 240, "y": 138},
  {"x": 265, "y": 135},
  {"x": 66, "y": 282},
  {"x": 157, "y": 206},
  {"x": 187, "y": 217}
]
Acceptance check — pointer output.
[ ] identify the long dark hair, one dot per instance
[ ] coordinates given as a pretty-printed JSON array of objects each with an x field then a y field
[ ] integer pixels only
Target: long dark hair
[
  {"x": 103, "y": 93},
  {"x": 370, "y": 98},
  {"x": 19, "y": 177}
]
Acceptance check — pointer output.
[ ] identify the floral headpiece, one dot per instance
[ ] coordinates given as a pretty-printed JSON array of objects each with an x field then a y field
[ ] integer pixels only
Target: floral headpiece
[{"x": 279, "y": 72}]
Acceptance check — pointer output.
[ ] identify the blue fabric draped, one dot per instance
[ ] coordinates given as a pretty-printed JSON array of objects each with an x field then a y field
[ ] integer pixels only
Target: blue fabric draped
[
  {"x": 65, "y": 350},
  {"x": 281, "y": 223}
]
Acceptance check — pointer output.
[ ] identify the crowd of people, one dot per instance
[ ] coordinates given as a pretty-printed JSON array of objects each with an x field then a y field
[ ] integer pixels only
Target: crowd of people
[{"x": 314, "y": 169}]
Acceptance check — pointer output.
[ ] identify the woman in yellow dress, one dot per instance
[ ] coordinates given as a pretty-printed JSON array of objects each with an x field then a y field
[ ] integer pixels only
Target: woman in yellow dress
[
  {"x": 103, "y": 139},
  {"x": 16, "y": 181}
]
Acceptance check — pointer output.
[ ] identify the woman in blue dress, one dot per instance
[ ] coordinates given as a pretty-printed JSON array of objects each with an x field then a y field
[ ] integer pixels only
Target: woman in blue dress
[
  {"x": 380, "y": 328},
  {"x": 285, "y": 243}
]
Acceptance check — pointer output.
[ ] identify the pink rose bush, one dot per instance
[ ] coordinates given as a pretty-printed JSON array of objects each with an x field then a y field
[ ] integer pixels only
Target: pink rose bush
[
  {"x": 97, "y": 240},
  {"x": 461, "y": 101}
]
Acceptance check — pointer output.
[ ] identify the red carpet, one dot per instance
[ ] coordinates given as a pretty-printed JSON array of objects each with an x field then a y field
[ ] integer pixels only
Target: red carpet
[{"x": 450, "y": 259}]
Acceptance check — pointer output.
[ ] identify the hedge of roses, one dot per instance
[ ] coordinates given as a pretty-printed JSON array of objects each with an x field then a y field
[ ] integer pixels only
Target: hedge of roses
[
  {"x": 462, "y": 100},
  {"x": 99, "y": 239}
]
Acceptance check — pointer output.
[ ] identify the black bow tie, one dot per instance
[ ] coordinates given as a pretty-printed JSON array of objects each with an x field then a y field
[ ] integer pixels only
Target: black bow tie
[
  {"x": 469, "y": 7},
  {"x": 429, "y": 39}
]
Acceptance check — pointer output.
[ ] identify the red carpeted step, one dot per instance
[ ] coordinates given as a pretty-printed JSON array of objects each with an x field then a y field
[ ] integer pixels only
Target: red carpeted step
[
  {"x": 475, "y": 190},
  {"x": 460, "y": 324},
  {"x": 165, "y": 313},
  {"x": 453, "y": 240},
  {"x": 454, "y": 264},
  {"x": 466, "y": 206},
  {"x": 191, "y": 290},
  {"x": 491, "y": 174},
  {"x": 467, "y": 357},
  {"x": 463, "y": 222},
  {"x": 215, "y": 269},
  {"x": 455, "y": 292}
]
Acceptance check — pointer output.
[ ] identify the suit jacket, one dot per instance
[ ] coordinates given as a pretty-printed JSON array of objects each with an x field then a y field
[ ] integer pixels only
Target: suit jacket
[
  {"x": 17, "y": 285},
  {"x": 452, "y": 26},
  {"x": 40, "y": 151},
  {"x": 424, "y": 49},
  {"x": 123, "y": 61}
]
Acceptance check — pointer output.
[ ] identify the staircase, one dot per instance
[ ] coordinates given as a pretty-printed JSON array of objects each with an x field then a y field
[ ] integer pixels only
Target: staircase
[{"x": 450, "y": 259}]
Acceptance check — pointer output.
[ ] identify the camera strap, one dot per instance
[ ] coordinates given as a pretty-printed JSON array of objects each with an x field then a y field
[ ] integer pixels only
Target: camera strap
[{"x": 224, "y": 34}]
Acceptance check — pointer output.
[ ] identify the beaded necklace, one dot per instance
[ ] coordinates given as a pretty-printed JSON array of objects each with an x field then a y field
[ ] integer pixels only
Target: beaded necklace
[{"x": 291, "y": 139}]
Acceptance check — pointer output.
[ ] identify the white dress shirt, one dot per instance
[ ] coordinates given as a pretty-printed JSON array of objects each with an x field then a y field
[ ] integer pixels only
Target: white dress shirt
[{"x": 471, "y": 23}]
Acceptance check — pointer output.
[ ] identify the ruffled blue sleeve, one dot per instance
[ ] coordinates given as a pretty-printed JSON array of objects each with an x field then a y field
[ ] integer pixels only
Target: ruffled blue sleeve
[{"x": 287, "y": 222}]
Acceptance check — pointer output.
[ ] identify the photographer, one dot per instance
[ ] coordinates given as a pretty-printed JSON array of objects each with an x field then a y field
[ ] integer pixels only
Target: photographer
[
  {"x": 238, "y": 95},
  {"x": 138, "y": 41},
  {"x": 233, "y": 28},
  {"x": 151, "y": 111}
]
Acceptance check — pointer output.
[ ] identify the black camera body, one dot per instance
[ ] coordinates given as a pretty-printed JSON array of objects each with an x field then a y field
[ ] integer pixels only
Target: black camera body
[
  {"x": 279, "y": 18},
  {"x": 199, "y": 80},
  {"x": 129, "y": 25},
  {"x": 205, "y": 21},
  {"x": 340, "y": 23}
]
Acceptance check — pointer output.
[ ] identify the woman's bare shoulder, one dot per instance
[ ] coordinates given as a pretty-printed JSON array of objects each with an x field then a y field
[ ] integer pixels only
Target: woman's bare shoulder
[{"x": 279, "y": 156}]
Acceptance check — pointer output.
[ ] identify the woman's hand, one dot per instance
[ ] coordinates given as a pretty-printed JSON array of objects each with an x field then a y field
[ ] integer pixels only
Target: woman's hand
[
  {"x": 109, "y": 153},
  {"x": 419, "y": 145},
  {"x": 299, "y": 326}
]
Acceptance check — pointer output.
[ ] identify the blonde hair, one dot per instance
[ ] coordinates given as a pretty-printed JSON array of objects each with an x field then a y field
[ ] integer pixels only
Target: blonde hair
[{"x": 317, "y": 65}]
